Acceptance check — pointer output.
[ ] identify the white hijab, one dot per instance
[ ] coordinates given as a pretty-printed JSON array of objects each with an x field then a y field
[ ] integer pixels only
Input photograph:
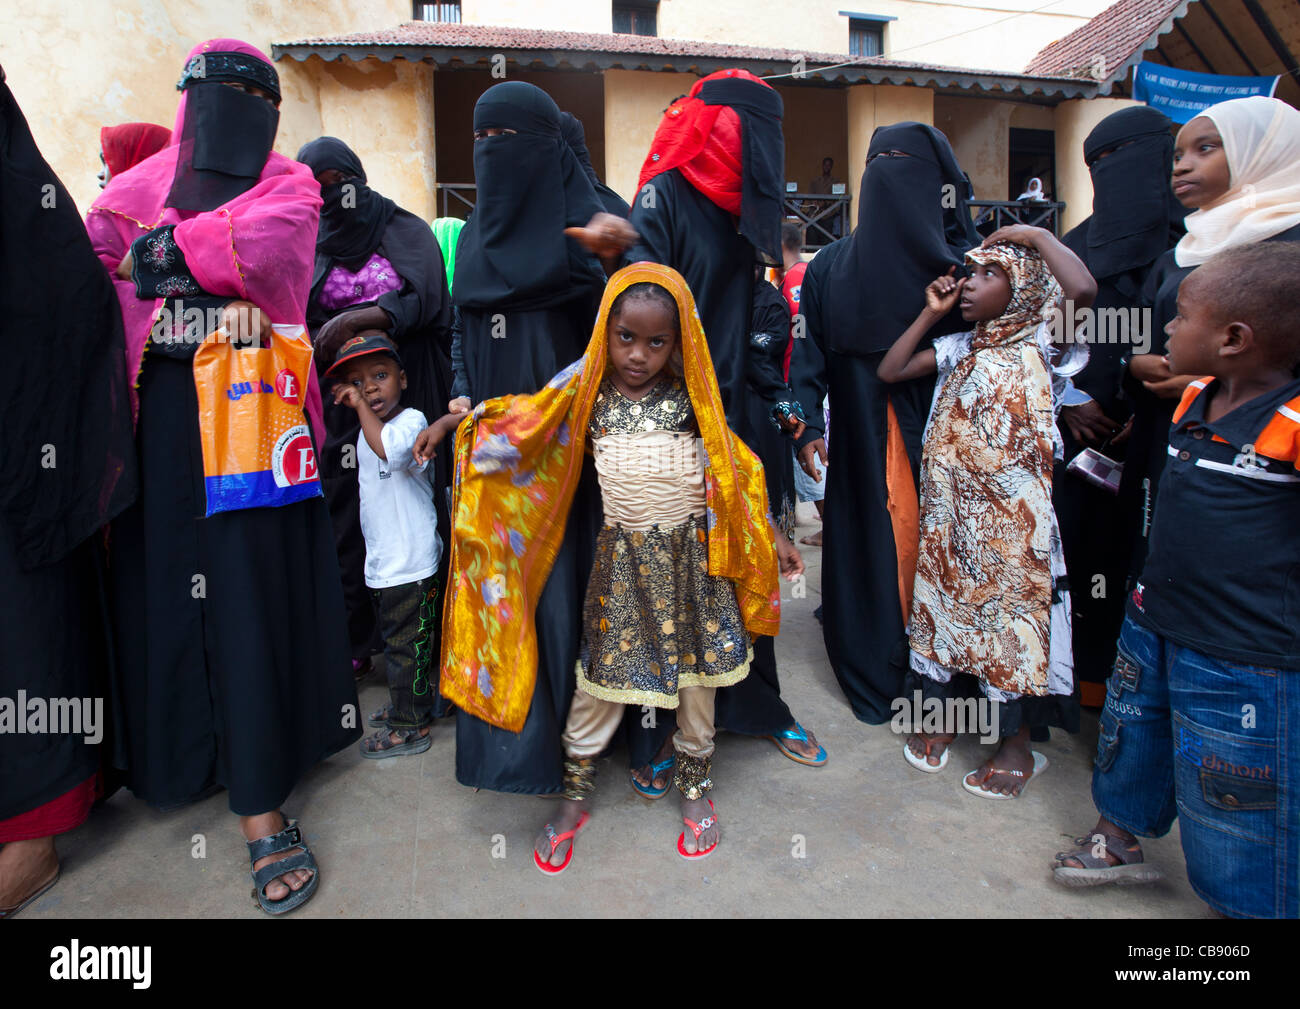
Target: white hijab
[{"x": 1261, "y": 140}]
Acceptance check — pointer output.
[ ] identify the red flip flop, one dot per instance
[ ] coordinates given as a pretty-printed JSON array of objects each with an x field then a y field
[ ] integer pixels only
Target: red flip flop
[
  {"x": 557, "y": 840},
  {"x": 697, "y": 829}
]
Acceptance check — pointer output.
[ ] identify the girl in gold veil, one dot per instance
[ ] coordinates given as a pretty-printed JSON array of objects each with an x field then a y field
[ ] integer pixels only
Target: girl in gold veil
[{"x": 686, "y": 569}]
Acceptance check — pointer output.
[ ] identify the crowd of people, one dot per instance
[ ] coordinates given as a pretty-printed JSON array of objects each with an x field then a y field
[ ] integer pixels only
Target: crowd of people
[{"x": 559, "y": 448}]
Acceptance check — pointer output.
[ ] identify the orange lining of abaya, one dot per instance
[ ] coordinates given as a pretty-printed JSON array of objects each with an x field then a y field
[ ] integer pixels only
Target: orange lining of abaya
[{"x": 904, "y": 510}]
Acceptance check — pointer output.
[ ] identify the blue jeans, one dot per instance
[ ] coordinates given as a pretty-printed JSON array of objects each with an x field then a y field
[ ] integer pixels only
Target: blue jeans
[{"x": 1216, "y": 743}]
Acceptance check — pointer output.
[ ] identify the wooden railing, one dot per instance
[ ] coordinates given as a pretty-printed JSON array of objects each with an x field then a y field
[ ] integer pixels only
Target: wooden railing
[
  {"x": 455, "y": 199},
  {"x": 823, "y": 218},
  {"x": 993, "y": 214}
]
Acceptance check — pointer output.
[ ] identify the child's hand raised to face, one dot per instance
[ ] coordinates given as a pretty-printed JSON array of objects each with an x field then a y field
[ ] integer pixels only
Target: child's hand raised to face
[
  {"x": 347, "y": 394},
  {"x": 942, "y": 292}
]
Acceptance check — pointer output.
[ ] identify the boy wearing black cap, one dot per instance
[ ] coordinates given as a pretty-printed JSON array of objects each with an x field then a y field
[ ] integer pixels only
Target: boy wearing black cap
[{"x": 400, "y": 528}]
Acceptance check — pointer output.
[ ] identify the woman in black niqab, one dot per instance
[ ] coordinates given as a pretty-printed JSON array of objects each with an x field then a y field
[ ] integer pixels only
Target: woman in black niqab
[
  {"x": 531, "y": 187},
  {"x": 527, "y": 296},
  {"x": 1134, "y": 220},
  {"x": 859, "y": 294}
]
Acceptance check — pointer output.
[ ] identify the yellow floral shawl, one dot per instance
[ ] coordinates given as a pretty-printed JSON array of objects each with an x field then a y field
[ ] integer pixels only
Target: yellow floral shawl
[{"x": 518, "y": 460}]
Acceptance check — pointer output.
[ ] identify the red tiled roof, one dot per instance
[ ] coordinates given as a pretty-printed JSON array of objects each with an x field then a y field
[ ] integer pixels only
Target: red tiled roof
[
  {"x": 1116, "y": 34},
  {"x": 427, "y": 34},
  {"x": 431, "y": 33}
]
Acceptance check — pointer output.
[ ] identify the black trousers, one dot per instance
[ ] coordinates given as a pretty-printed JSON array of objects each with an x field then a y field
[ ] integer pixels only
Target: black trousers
[{"x": 408, "y": 619}]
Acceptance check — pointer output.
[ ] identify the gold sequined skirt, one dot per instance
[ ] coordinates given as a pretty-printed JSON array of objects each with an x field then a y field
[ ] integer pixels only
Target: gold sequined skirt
[{"x": 655, "y": 620}]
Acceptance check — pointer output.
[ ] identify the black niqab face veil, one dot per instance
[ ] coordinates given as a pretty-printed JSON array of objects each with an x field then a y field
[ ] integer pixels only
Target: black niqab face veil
[
  {"x": 225, "y": 139},
  {"x": 913, "y": 224},
  {"x": 1135, "y": 217},
  {"x": 513, "y": 251},
  {"x": 353, "y": 217},
  {"x": 762, "y": 158}
]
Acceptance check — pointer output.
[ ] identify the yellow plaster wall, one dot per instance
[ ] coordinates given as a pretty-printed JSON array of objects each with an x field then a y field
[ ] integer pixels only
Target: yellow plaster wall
[
  {"x": 559, "y": 15},
  {"x": 869, "y": 106},
  {"x": 1074, "y": 121},
  {"x": 384, "y": 112},
  {"x": 1001, "y": 35},
  {"x": 77, "y": 66},
  {"x": 634, "y": 103}
]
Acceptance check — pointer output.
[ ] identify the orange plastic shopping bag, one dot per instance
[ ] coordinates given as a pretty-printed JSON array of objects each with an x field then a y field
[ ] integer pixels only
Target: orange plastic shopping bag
[{"x": 257, "y": 446}]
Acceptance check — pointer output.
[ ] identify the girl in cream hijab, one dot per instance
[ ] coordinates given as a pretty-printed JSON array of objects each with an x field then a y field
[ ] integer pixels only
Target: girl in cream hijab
[
  {"x": 1261, "y": 142},
  {"x": 1237, "y": 167}
]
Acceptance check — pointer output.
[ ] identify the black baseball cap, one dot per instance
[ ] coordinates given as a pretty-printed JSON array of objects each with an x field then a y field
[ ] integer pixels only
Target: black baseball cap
[{"x": 359, "y": 346}]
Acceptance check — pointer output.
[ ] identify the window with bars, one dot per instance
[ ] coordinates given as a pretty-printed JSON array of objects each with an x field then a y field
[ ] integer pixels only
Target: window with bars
[
  {"x": 866, "y": 38},
  {"x": 632, "y": 18},
  {"x": 446, "y": 13}
]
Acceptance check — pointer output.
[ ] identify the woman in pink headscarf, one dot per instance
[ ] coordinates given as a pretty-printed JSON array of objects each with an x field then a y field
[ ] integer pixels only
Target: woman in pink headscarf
[{"x": 229, "y": 630}]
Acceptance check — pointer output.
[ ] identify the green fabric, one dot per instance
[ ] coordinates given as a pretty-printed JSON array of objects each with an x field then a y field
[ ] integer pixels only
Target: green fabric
[{"x": 447, "y": 231}]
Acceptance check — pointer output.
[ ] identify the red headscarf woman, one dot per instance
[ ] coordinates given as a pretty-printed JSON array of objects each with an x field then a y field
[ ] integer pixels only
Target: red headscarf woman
[
  {"x": 709, "y": 206},
  {"x": 125, "y": 146}
]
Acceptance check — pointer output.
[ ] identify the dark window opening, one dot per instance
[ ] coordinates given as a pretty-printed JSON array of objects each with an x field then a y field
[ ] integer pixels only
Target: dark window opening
[
  {"x": 636, "y": 18},
  {"x": 1032, "y": 155},
  {"x": 866, "y": 38},
  {"x": 445, "y": 13}
]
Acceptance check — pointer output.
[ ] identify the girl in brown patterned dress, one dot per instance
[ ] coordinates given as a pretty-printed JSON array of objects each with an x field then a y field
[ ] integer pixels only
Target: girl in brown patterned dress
[
  {"x": 990, "y": 598},
  {"x": 658, "y": 629}
]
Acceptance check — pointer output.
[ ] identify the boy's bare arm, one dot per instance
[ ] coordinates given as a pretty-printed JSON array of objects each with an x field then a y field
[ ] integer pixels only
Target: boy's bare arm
[
  {"x": 431, "y": 437},
  {"x": 902, "y": 361},
  {"x": 372, "y": 428}
]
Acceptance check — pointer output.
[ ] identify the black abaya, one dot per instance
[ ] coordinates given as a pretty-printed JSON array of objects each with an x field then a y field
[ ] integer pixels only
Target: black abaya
[
  {"x": 536, "y": 345},
  {"x": 862, "y": 619},
  {"x": 527, "y": 297},
  {"x": 859, "y": 295},
  {"x": 231, "y": 648},
  {"x": 67, "y": 466}
]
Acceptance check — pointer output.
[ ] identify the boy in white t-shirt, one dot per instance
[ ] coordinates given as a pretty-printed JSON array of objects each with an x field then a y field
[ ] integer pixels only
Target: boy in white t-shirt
[{"x": 400, "y": 527}]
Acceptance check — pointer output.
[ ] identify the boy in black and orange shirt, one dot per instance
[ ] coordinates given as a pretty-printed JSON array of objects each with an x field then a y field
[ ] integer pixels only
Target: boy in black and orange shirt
[{"x": 1202, "y": 716}]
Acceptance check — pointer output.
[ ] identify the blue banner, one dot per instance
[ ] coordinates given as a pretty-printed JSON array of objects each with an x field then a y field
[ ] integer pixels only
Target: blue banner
[{"x": 1184, "y": 94}]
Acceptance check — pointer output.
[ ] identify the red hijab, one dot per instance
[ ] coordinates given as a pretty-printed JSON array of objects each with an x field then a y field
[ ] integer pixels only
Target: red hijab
[
  {"x": 704, "y": 142},
  {"x": 127, "y": 145}
]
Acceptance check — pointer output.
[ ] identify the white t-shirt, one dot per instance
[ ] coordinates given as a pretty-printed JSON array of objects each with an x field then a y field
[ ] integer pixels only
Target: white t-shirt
[{"x": 397, "y": 515}]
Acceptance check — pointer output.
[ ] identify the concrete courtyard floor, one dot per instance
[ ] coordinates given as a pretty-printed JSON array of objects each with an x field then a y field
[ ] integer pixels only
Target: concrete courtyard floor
[{"x": 864, "y": 836}]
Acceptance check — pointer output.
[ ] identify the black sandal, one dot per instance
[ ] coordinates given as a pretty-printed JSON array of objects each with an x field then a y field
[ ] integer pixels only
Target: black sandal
[
  {"x": 1094, "y": 871},
  {"x": 380, "y": 744},
  {"x": 380, "y": 716},
  {"x": 285, "y": 840}
]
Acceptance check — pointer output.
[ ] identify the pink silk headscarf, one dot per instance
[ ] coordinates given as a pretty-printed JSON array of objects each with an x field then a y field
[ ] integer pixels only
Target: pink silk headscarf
[{"x": 259, "y": 247}]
